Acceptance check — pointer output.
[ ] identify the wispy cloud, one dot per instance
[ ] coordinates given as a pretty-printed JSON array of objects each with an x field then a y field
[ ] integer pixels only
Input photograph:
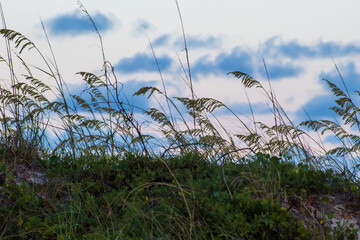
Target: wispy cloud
[
  {"x": 195, "y": 42},
  {"x": 161, "y": 41},
  {"x": 318, "y": 107},
  {"x": 142, "y": 62},
  {"x": 237, "y": 60},
  {"x": 141, "y": 26},
  {"x": 276, "y": 47},
  {"x": 279, "y": 70},
  {"x": 76, "y": 23},
  {"x": 244, "y": 108}
]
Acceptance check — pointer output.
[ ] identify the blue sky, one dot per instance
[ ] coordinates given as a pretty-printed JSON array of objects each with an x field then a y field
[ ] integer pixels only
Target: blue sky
[{"x": 298, "y": 40}]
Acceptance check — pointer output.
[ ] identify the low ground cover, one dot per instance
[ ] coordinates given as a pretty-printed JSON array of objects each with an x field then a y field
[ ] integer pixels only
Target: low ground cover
[{"x": 184, "y": 197}]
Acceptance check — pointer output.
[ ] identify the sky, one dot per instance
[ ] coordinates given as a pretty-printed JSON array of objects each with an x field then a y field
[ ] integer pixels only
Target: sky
[{"x": 299, "y": 41}]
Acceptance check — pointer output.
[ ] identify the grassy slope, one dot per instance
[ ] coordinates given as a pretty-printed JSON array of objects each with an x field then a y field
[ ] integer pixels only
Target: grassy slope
[{"x": 139, "y": 198}]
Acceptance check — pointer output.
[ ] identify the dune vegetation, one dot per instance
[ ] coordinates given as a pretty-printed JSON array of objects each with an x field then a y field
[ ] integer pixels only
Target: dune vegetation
[{"x": 83, "y": 166}]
